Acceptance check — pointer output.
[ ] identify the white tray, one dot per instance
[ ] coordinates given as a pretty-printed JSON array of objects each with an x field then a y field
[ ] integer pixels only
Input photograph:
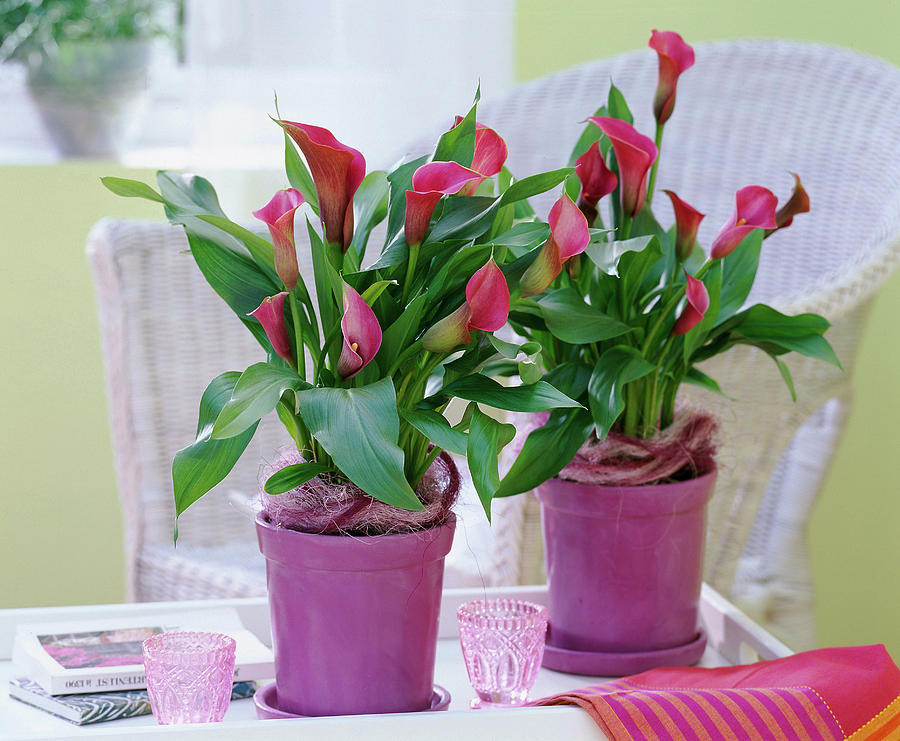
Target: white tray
[{"x": 732, "y": 638}]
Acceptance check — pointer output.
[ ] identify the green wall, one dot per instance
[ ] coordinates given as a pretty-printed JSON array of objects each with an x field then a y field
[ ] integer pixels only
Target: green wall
[
  {"x": 855, "y": 530},
  {"x": 60, "y": 524}
]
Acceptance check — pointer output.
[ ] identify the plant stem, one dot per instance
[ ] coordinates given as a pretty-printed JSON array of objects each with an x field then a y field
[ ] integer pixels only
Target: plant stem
[
  {"x": 410, "y": 270},
  {"x": 652, "y": 184},
  {"x": 299, "y": 349}
]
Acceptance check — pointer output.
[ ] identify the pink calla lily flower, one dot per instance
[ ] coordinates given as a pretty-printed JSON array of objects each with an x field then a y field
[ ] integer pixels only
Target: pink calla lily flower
[
  {"x": 362, "y": 334},
  {"x": 687, "y": 221},
  {"x": 490, "y": 154},
  {"x": 675, "y": 56},
  {"x": 270, "y": 313},
  {"x": 486, "y": 308},
  {"x": 695, "y": 308},
  {"x": 569, "y": 236},
  {"x": 430, "y": 182},
  {"x": 278, "y": 214},
  {"x": 798, "y": 203},
  {"x": 337, "y": 171},
  {"x": 597, "y": 180},
  {"x": 635, "y": 154},
  {"x": 755, "y": 209}
]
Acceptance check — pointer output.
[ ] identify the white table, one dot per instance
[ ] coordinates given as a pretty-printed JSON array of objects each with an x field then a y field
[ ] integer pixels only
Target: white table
[{"x": 732, "y": 638}]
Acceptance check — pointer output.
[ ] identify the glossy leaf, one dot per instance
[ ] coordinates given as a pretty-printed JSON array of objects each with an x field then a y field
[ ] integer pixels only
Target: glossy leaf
[
  {"x": 370, "y": 205},
  {"x": 536, "y": 397},
  {"x": 232, "y": 275},
  {"x": 359, "y": 428},
  {"x": 563, "y": 434},
  {"x": 436, "y": 428},
  {"x": 298, "y": 174},
  {"x": 458, "y": 144},
  {"x": 294, "y": 475},
  {"x": 255, "y": 395},
  {"x": 617, "y": 367},
  {"x": 188, "y": 194},
  {"x": 487, "y": 437},
  {"x": 260, "y": 249},
  {"x": 738, "y": 273},
  {"x": 534, "y": 185},
  {"x": 131, "y": 189},
  {"x": 765, "y": 327},
  {"x": 204, "y": 463},
  {"x": 570, "y": 319}
]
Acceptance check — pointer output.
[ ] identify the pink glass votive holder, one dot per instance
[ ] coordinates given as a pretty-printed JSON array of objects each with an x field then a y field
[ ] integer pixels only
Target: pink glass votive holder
[
  {"x": 189, "y": 676},
  {"x": 502, "y": 644}
]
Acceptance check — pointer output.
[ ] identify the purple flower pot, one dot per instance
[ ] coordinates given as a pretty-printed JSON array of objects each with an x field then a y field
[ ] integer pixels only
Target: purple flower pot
[
  {"x": 624, "y": 568},
  {"x": 354, "y": 620}
]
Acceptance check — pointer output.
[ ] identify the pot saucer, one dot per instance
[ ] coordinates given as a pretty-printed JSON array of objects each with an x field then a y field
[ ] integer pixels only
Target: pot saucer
[
  {"x": 266, "y": 701},
  {"x": 611, "y": 664}
]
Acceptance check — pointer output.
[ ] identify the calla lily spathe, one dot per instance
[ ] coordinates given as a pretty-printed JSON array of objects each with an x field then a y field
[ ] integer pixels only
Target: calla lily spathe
[
  {"x": 635, "y": 154},
  {"x": 490, "y": 154},
  {"x": 270, "y": 313},
  {"x": 798, "y": 203},
  {"x": 430, "y": 182},
  {"x": 675, "y": 56},
  {"x": 597, "y": 180},
  {"x": 337, "y": 171},
  {"x": 755, "y": 209},
  {"x": 362, "y": 334},
  {"x": 278, "y": 215},
  {"x": 486, "y": 308},
  {"x": 695, "y": 307},
  {"x": 687, "y": 221},
  {"x": 569, "y": 236}
]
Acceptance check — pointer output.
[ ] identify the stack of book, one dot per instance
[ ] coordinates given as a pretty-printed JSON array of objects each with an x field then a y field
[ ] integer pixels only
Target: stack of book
[{"x": 92, "y": 671}]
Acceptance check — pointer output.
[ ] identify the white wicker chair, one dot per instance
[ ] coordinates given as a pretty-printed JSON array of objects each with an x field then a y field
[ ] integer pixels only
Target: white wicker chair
[{"x": 748, "y": 112}]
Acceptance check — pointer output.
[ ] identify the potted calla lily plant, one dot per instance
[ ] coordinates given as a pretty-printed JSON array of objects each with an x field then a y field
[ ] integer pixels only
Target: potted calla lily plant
[
  {"x": 360, "y": 371},
  {"x": 624, "y": 311}
]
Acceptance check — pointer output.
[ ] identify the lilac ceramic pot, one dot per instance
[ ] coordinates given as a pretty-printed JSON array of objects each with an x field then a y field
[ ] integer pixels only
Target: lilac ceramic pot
[
  {"x": 624, "y": 563},
  {"x": 354, "y": 620}
]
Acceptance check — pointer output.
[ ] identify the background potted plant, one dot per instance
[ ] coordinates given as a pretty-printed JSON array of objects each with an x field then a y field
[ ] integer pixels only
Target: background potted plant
[
  {"x": 86, "y": 63},
  {"x": 361, "y": 373},
  {"x": 624, "y": 315}
]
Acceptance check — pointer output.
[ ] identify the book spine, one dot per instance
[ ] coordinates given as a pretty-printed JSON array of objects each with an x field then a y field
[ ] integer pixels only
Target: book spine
[{"x": 108, "y": 682}]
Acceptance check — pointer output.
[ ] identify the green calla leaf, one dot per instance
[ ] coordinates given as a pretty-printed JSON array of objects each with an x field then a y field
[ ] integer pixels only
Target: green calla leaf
[
  {"x": 535, "y": 397},
  {"x": 786, "y": 375},
  {"x": 699, "y": 378},
  {"x": 131, "y": 189},
  {"x": 738, "y": 273},
  {"x": 370, "y": 206},
  {"x": 617, "y": 367},
  {"x": 188, "y": 194},
  {"x": 359, "y": 428},
  {"x": 297, "y": 474},
  {"x": 298, "y": 175},
  {"x": 570, "y": 319},
  {"x": 260, "y": 249},
  {"x": 605, "y": 255},
  {"x": 563, "y": 434},
  {"x": 255, "y": 395},
  {"x": 534, "y": 185},
  {"x": 767, "y": 328},
  {"x": 201, "y": 465},
  {"x": 436, "y": 428},
  {"x": 487, "y": 437}
]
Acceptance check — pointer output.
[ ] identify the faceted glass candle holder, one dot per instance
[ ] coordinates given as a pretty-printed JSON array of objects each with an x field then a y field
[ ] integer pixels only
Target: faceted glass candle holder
[
  {"x": 502, "y": 644},
  {"x": 189, "y": 676}
]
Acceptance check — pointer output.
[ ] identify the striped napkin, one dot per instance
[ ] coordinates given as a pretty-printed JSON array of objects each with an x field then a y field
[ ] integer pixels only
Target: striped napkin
[{"x": 826, "y": 695}]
